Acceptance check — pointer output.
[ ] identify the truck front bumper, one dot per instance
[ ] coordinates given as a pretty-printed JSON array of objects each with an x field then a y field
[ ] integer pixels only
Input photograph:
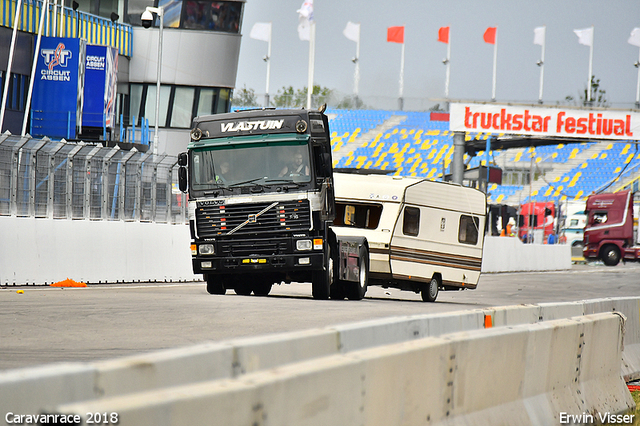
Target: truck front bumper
[{"x": 254, "y": 264}]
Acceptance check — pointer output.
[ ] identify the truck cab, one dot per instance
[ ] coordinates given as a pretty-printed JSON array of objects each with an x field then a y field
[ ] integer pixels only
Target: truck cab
[
  {"x": 608, "y": 234},
  {"x": 261, "y": 199}
]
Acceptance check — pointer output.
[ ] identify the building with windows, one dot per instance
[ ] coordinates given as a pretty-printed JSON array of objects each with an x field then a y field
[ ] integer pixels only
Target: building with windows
[{"x": 200, "y": 50}]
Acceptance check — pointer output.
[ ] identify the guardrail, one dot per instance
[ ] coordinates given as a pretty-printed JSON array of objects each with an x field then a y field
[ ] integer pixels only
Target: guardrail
[
  {"x": 64, "y": 180},
  {"x": 533, "y": 365}
]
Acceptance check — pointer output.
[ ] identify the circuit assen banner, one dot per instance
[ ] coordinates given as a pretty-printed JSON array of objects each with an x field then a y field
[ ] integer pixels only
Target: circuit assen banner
[
  {"x": 101, "y": 79},
  {"x": 58, "y": 88},
  {"x": 537, "y": 121}
]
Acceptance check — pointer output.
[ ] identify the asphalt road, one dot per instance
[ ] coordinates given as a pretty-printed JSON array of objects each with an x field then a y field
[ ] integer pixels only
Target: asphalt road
[{"x": 44, "y": 324}]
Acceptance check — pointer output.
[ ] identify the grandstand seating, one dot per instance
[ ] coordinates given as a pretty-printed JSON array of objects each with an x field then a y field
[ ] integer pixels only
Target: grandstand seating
[{"x": 422, "y": 146}]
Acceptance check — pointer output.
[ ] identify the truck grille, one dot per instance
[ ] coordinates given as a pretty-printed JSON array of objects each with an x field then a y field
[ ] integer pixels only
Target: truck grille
[
  {"x": 253, "y": 247},
  {"x": 285, "y": 216}
]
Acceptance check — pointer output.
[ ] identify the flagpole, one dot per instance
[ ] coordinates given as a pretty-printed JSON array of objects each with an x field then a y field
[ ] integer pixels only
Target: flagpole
[
  {"x": 7, "y": 74},
  {"x": 312, "y": 48},
  {"x": 400, "y": 101},
  {"x": 448, "y": 71},
  {"x": 268, "y": 59},
  {"x": 637, "y": 64},
  {"x": 590, "y": 66},
  {"x": 356, "y": 76},
  {"x": 541, "y": 63},
  {"x": 45, "y": 6},
  {"x": 495, "y": 66}
]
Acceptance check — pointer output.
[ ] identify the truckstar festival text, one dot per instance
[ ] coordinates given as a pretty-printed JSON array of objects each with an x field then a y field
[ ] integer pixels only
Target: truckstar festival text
[{"x": 544, "y": 121}]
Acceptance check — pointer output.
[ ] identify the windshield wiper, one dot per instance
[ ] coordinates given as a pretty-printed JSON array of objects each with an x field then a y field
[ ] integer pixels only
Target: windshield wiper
[
  {"x": 285, "y": 181},
  {"x": 245, "y": 182}
]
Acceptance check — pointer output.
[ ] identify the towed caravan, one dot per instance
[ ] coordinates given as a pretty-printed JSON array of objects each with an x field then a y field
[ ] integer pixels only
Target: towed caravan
[{"x": 423, "y": 236}]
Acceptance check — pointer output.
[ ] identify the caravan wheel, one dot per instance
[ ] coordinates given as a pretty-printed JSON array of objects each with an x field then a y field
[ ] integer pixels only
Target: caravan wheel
[{"x": 430, "y": 290}]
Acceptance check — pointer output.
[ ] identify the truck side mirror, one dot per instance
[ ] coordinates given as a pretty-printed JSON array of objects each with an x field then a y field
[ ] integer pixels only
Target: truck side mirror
[
  {"x": 182, "y": 178},
  {"x": 182, "y": 159}
]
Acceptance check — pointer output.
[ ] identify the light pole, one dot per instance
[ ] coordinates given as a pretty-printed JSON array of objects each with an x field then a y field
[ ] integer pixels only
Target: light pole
[{"x": 147, "y": 21}]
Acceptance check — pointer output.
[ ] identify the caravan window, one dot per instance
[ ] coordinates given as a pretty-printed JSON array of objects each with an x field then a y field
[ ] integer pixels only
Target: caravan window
[
  {"x": 411, "y": 222},
  {"x": 468, "y": 231},
  {"x": 358, "y": 215}
]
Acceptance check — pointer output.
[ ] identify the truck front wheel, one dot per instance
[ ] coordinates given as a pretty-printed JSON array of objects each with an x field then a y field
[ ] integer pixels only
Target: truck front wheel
[
  {"x": 610, "y": 255},
  {"x": 321, "y": 280},
  {"x": 215, "y": 284}
]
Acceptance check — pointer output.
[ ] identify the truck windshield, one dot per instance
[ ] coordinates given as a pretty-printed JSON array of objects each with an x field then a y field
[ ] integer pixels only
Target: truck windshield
[{"x": 250, "y": 164}]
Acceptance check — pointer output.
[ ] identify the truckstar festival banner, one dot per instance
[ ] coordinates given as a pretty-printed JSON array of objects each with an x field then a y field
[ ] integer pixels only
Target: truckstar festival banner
[{"x": 536, "y": 121}]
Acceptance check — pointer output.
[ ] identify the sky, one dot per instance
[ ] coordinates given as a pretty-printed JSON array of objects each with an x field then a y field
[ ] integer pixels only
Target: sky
[{"x": 517, "y": 78}]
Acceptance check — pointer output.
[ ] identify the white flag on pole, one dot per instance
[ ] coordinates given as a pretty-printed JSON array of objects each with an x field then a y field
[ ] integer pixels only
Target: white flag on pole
[
  {"x": 635, "y": 37},
  {"x": 538, "y": 35},
  {"x": 261, "y": 31},
  {"x": 305, "y": 16},
  {"x": 352, "y": 31},
  {"x": 585, "y": 36}
]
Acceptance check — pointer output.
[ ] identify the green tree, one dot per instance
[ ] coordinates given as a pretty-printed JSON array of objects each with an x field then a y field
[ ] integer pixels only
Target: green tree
[
  {"x": 598, "y": 96},
  {"x": 351, "y": 102},
  {"x": 288, "y": 98},
  {"x": 284, "y": 98},
  {"x": 244, "y": 97}
]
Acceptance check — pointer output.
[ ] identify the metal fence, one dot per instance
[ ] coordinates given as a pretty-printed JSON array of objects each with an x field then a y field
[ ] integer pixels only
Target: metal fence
[{"x": 64, "y": 180}]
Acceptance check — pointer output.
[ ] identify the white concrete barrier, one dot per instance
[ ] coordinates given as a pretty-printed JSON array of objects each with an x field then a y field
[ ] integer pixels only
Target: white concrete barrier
[
  {"x": 215, "y": 361},
  {"x": 527, "y": 375},
  {"x": 507, "y": 254},
  {"x": 44, "y": 251}
]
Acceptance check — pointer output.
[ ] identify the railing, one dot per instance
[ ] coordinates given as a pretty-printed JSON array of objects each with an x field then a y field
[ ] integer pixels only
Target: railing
[
  {"x": 62, "y": 180},
  {"x": 65, "y": 22}
]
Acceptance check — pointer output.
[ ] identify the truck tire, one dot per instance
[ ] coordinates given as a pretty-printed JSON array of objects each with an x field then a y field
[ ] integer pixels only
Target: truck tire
[
  {"x": 242, "y": 287},
  {"x": 262, "y": 288},
  {"x": 610, "y": 255},
  {"x": 357, "y": 289},
  {"x": 429, "y": 291},
  {"x": 215, "y": 284},
  {"x": 322, "y": 279}
]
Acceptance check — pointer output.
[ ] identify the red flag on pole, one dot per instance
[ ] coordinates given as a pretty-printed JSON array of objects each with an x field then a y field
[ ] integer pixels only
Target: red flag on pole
[
  {"x": 395, "y": 34},
  {"x": 490, "y": 35},
  {"x": 443, "y": 35}
]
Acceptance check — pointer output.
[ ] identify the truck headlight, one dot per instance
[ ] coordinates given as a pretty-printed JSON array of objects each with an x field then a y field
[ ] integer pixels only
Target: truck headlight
[
  {"x": 205, "y": 249},
  {"x": 303, "y": 245}
]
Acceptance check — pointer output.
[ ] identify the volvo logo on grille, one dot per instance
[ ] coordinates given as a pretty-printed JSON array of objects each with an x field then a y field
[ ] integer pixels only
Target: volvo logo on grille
[{"x": 252, "y": 218}]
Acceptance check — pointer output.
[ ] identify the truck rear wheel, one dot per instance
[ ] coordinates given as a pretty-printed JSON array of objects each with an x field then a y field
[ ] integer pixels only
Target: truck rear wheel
[
  {"x": 356, "y": 290},
  {"x": 610, "y": 255},
  {"x": 429, "y": 291},
  {"x": 215, "y": 284},
  {"x": 321, "y": 280}
]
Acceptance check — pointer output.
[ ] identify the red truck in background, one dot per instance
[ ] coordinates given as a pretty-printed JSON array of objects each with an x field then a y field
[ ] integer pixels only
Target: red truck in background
[
  {"x": 609, "y": 233},
  {"x": 540, "y": 215}
]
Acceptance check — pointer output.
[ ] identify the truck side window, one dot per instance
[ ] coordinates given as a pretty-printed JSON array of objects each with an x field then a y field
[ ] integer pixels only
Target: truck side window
[
  {"x": 468, "y": 231},
  {"x": 411, "y": 221},
  {"x": 599, "y": 218}
]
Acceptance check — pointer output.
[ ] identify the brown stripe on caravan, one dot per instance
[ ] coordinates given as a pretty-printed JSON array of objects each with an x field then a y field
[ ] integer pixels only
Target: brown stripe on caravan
[
  {"x": 434, "y": 258},
  {"x": 426, "y": 280},
  {"x": 379, "y": 250}
]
